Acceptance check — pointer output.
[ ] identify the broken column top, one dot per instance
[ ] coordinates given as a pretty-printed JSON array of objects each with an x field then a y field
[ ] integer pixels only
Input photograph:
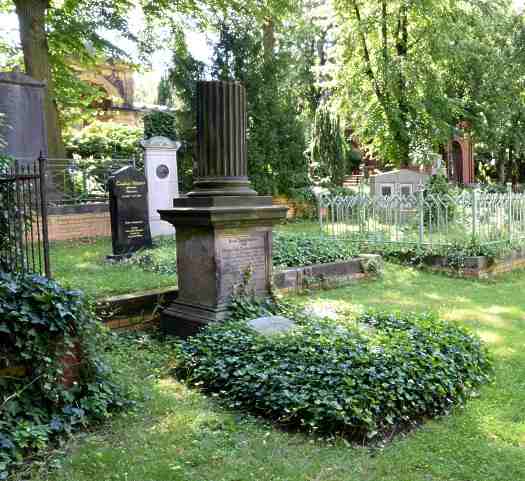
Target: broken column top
[{"x": 221, "y": 141}]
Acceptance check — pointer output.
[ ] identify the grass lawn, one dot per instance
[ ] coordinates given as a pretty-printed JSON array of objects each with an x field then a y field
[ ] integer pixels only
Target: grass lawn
[
  {"x": 82, "y": 265},
  {"x": 179, "y": 434}
]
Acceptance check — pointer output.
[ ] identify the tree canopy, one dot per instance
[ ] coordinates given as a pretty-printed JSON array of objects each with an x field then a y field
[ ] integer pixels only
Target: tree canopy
[{"x": 396, "y": 77}]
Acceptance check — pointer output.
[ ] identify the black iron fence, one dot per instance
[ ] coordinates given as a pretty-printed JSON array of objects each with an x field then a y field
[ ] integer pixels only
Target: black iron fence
[
  {"x": 24, "y": 244},
  {"x": 80, "y": 181}
]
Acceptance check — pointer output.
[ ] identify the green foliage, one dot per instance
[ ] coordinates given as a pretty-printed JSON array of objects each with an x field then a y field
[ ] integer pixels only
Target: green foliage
[
  {"x": 391, "y": 372},
  {"x": 53, "y": 337},
  {"x": 160, "y": 123},
  {"x": 329, "y": 149},
  {"x": 276, "y": 134},
  {"x": 454, "y": 255},
  {"x": 105, "y": 140},
  {"x": 409, "y": 72},
  {"x": 177, "y": 90},
  {"x": 288, "y": 250},
  {"x": 438, "y": 185},
  {"x": 295, "y": 250}
]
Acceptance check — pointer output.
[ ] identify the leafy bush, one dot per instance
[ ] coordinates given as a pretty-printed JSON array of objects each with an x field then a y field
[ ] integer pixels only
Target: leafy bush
[
  {"x": 455, "y": 254},
  {"x": 392, "y": 372},
  {"x": 52, "y": 375},
  {"x": 289, "y": 250},
  {"x": 329, "y": 149},
  {"x": 438, "y": 185},
  {"x": 294, "y": 250},
  {"x": 306, "y": 202},
  {"x": 159, "y": 123},
  {"x": 105, "y": 140}
]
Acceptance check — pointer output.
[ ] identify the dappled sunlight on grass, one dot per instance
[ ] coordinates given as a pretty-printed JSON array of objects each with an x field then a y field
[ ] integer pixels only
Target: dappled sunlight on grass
[
  {"x": 83, "y": 265},
  {"x": 178, "y": 434},
  {"x": 481, "y": 317},
  {"x": 490, "y": 337}
]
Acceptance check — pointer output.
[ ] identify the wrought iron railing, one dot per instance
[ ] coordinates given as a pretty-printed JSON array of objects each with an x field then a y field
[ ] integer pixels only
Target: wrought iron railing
[
  {"x": 81, "y": 181},
  {"x": 24, "y": 245},
  {"x": 424, "y": 218}
]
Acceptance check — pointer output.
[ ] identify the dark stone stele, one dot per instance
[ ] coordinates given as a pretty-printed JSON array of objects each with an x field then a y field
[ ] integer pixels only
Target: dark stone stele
[
  {"x": 224, "y": 229},
  {"x": 128, "y": 207},
  {"x": 23, "y": 122}
]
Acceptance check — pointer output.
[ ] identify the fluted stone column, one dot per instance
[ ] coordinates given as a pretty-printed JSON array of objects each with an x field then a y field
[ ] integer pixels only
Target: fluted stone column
[
  {"x": 221, "y": 140},
  {"x": 224, "y": 229}
]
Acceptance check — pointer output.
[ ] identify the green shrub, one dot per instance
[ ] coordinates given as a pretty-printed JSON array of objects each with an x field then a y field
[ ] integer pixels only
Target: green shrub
[
  {"x": 105, "y": 140},
  {"x": 40, "y": 325},
  {"x": 455, "y": 254},
  {"x": 391, "y": 373},
  {"x": 289, "y": 250},
  {"x": 438, "y": 185},
  {"x": 295, "y": 250},
  {"x": 159, "y": 123}
]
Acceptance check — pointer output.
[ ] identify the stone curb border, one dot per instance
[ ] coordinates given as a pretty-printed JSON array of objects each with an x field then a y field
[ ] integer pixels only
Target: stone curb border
[{"x": 123, "y": 310}]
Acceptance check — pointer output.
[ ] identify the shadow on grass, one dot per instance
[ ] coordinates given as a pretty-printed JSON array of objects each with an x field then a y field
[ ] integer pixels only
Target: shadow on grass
[{"x": 178, "y": 434}]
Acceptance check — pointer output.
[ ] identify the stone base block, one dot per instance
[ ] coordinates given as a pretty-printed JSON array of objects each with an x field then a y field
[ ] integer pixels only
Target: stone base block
[{"x": 184, "y": 320}]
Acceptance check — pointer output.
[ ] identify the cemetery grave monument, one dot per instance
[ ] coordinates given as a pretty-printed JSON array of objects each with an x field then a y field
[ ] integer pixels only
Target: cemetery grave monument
[
  {"x": 224, "y": 229},
  {"x": 128, "y": 206}
]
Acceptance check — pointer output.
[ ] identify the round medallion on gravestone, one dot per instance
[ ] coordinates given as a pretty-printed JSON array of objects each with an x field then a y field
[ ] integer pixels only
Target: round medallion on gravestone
[{"x": 163, "y": 171}]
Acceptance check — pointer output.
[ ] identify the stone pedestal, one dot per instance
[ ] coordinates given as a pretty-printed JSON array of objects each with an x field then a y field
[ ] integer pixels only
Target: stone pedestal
[
  {"x": 224, "y": 230},
  {"x": 160, "y": 165}
]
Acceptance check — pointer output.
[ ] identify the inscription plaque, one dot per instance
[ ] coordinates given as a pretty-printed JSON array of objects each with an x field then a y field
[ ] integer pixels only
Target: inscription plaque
[
  {"x": 128, "y": 205},
  {"x": 243, "y": 262}
]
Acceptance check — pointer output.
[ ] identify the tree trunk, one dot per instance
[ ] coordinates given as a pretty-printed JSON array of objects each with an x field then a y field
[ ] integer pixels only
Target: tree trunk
[
  {"x": 401, "y": 134},
  {"x": 500, "y": 165},
  {"x": 509, "y": 174},
  {"x": 268, "y": 39},
  {"x": 32, "y": 18}
]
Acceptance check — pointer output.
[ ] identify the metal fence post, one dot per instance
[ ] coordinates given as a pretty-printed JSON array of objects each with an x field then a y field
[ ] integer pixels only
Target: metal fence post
[
  {"x": 43, "y": 201},
  {"x": 320, "y": 212},
  {"x": 474, "y": 213},
  {"x": 510, "y": 213},
  {"x": 421, "y": 209}
]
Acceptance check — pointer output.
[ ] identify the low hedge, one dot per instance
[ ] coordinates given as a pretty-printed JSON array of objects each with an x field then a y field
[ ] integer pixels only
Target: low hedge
[
  {"x": 389, "y": 374},
  {"x": 297, "y": 250},
  {"x": 53, "y": 378},
  {"x": 288, "y": 250}
]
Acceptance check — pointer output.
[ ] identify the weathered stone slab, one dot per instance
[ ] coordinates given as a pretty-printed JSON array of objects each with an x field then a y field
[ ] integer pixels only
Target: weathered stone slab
[
  {"x": 268, "y": 326},
  {"x": 22, "y": 104},
  {"x": 320, "y": 276}
]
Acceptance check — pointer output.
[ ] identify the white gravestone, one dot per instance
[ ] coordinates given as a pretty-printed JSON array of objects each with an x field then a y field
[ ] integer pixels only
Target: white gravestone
[{"x": 160, "y": 164}]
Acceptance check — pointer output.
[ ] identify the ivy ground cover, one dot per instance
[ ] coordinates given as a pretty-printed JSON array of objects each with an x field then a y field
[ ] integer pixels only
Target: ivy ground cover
[{"x": 177, "y": 433}]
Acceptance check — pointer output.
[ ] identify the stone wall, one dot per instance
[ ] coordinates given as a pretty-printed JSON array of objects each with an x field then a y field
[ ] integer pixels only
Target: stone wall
[
  {"x": 319, "y": 276},
  {"x": 481, "y": 266},
  {"x": 77, "y": 223},
  {"x": 130, "y": 311}
]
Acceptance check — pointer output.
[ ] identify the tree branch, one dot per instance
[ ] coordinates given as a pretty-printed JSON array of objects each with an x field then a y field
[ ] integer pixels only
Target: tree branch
[{"x": 366, "y": 54}]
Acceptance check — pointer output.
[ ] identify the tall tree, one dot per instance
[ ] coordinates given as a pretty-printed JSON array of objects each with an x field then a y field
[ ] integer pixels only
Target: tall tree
[
  {"x": 394, "y": 58},
  {"x": 56, "y": 32},
  {"x": 33, "y": 36}
]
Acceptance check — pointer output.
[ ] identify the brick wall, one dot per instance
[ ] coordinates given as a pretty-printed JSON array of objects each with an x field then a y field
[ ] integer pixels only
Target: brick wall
[{"x": 77, "y": 226}]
